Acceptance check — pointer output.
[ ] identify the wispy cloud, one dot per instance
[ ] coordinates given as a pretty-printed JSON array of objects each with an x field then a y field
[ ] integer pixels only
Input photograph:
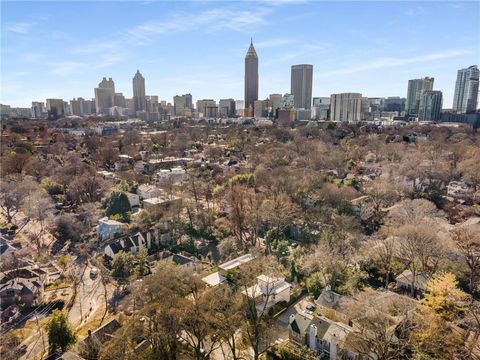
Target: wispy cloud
[
  {"x": 388, "y": 62},
  {"x": 65, "y": 68},
  {"x": 210, "y": 20},
  {"x": 270, "y": 43},
  {"x": 416, "y": 11},
  {"x": 19, "y": 27}
]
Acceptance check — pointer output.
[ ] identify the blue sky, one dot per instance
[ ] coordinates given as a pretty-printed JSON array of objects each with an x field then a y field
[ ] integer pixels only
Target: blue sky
[{"x": 64, "y": 48}]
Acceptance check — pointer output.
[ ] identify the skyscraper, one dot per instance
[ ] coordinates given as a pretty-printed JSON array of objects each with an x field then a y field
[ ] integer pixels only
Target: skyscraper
[
  {"x": 251, "y": 76},
  {"x": 226, "y": 107},
  {"x": 274, "y": 101},
  {"x": 346, "y": 107},
  {"x": 466, "y": 90},
  {"x": 414, "y": 91},
  {"x": 119, "y": 100},
  {"x": 139, "y": 91},
  {"x": 301, "y": 85},
  {"x": 321, "y": 108},
  {"x": 104, "y": 96},
  {"x": 55, "y": 109},
  {"x": 394, "y": 103},
  {"x": 76, "y": 106},
  {"x": 287, "y": 101},
  {"x": 430, "y": 105},
  {"x": 37, "y": 109},
  {"x": 182, "y": 104}
]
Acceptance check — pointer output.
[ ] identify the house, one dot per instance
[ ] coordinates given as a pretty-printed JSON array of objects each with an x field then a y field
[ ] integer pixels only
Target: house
[
  {"x": 406, "y": 279},
  {"x": 133, "y": 244},
  {"x": 363, "y": 207},
  {"x": 124, "y": 162},
  {"x": 146, "y": 191},
  {"x": 220, "y": 276},
  {"x": 140, "y": 166},
  {"x": 21, "y": 290},
  {"x": 268, "y": 291},
  {"x": 96, "y": 340},
  {"x": 108, "y": 229},
  {"x": 8, "y": 315},
  {"x": 162, "y": 203},
  {"x": 326, "y": 338},
  {"x": 133, "y": 199},
  {"x": 106, "y": 174},
  {"x": 174, "y": 175},
  {"x": 232, "y": 264},
  {"x": 182, "y": 260}
]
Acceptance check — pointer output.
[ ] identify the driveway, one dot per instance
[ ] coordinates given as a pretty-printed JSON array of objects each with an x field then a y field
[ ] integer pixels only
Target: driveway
[{"x": 295, "y": 308}]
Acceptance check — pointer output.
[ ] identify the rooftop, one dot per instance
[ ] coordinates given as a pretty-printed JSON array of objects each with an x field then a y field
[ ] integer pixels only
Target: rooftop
[
  {"x": 213, "y": 279},
  {"x": 232, "y": 264}
]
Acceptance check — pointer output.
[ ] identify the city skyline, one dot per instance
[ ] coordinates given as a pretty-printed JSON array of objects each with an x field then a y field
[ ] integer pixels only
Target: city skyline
[{"x": 213, "y": 67}]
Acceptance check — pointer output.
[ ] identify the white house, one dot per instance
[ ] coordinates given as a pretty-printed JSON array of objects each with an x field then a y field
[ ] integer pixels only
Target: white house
[
  {"x": 269, "y": 291},
  {"x": 175, "y": 175},
  {"x": 133, "y": 199},
  {"x": 131, "y": 244},
  {"x": 146, "y": 191},
  {"x": 219, "y": 277},
  {"x": 123, "y": 163},
  {"x": 328, "y": 339},
  {"x": 108, "y": 229}
]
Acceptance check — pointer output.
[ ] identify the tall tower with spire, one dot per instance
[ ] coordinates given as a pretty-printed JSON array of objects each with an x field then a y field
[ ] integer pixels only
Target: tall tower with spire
[
  {"x": 139, "y": 98},
  {"x": 251, "y": 76}
]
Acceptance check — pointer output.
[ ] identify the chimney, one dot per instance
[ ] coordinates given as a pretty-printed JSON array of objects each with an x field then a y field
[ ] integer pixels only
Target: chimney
[{"x": 312, "y": 337}]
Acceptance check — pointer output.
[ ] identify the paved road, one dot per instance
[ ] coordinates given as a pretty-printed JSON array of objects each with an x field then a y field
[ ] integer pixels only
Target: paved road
[{"x": 90, "y": 296}]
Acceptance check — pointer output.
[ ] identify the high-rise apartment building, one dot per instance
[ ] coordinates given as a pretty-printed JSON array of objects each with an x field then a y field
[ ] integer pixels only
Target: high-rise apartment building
[
  {"x": 301, "y": 85},
  {"x": 414, "y": 91},
  {"x": 55, "y": 109},
  {"x": 182, "y": 104},
  {"x": 207, "y": 108},
  {"x": 321, "y": 108},
  {"x": 394, "y": 103},
  {"x": 37, "y": 110},
  {"x": 376, "y": 103},
  {"x": 138, "y": 82},
  {"x": 287, "y": 101},
  {"x": 77, "y": 106},
  {"x": 466, "y": 90},
  {"x": 226, "y": 107},
  {"x": 430, "y": 106},
  {"x": 346, "y": 107},
  {"x": 251, "y": 77}
]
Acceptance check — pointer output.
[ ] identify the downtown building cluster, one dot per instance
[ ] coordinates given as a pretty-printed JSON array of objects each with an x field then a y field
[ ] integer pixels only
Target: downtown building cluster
[{"x": 422, "y": 102}]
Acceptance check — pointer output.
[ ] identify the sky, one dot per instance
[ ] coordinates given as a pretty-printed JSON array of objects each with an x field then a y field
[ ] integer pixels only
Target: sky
[{"x": 62, "y": 49}]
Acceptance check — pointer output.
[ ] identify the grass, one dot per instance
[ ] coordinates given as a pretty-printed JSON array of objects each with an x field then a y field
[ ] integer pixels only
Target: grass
[
  {"x": 94, "y": 322},
  {"x": 60, "y": 283}
]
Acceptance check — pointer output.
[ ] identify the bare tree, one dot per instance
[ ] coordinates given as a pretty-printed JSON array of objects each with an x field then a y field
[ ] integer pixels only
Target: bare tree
[
  {"x": 420, "y": 248},
  {"x": 468, "y": 242}
]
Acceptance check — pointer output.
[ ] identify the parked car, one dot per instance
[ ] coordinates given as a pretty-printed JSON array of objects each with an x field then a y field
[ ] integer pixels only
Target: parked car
[{"x": 93, "y": 273}]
